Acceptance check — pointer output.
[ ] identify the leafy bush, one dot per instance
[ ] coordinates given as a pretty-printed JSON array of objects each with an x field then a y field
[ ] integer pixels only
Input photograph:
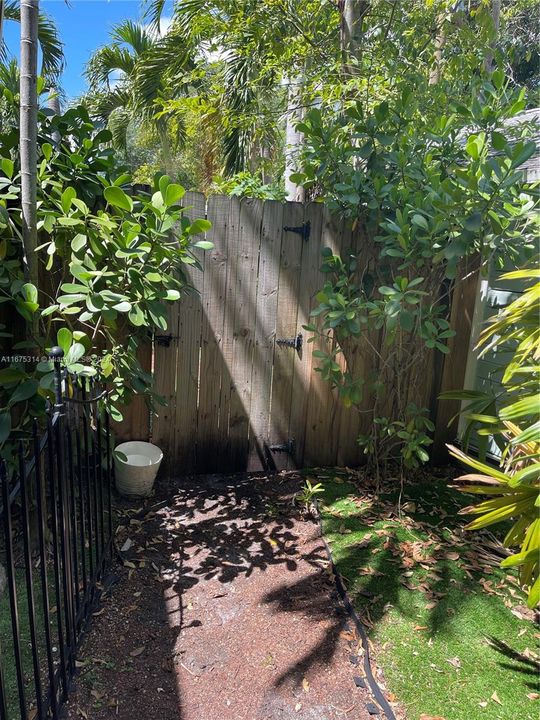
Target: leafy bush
[
  {"x": 110, "y": 262},
  {"x": 245, "y": 184},
  {"x": 430, "y": 188}
]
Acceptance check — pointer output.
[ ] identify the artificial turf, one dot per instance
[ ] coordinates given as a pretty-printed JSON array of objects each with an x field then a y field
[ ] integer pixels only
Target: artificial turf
[{"x": 451, "y": 632}]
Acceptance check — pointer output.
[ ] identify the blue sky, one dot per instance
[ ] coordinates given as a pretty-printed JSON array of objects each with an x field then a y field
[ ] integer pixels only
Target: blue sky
[{"x": 83, "y": 26}]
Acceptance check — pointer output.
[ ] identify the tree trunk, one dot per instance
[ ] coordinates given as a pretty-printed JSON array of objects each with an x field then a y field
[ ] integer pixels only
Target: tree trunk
[
  {"x": 28, "y": 133},
  {"x": 294, "y": 140},
  {"x": 440, "y": 40},
  {"x": 496, "y": 16},
  {"x": 1, "y": 22},
  {"x": 352, "y": 15}
]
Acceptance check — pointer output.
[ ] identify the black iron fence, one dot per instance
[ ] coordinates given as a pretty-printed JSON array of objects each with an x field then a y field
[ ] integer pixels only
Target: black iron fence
[{"x": 56, "y": 529}]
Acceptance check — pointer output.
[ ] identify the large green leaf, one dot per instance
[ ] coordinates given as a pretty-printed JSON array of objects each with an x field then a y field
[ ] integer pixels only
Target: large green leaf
[
  {"x": 116, "y": 197},
  {"x": 24, "y": 391},
  {"x": 526, "y": 407}
]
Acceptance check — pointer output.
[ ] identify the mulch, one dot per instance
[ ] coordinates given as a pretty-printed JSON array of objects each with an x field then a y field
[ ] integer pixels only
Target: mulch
[{"x": 223, "y": 608}]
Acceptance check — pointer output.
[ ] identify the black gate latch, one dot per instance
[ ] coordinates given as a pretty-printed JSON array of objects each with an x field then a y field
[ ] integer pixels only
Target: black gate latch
[{"x": 303, "y": 230}]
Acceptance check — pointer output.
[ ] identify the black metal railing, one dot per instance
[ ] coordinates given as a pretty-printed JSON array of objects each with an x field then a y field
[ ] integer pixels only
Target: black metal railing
[{"x": 56, "y": 530}]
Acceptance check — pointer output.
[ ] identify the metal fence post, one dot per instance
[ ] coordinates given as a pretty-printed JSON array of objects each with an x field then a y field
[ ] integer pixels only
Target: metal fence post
[{"x": 56, "y": 354}]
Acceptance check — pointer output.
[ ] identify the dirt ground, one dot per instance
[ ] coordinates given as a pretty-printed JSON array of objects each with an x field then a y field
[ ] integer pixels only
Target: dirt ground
[{"x": 224, "y": 609}]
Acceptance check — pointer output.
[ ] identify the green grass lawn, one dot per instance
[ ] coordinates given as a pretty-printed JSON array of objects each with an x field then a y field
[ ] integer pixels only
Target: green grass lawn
[{"x": 443, "y": 620}]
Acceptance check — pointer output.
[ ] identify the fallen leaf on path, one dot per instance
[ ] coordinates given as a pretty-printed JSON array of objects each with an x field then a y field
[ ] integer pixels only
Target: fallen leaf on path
[
  {"x": 305, "y": 685},
  {"x": 138, "y": 651}
]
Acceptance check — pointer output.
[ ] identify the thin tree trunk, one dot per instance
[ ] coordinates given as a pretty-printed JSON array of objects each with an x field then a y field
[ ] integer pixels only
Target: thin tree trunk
[
  {"x": 1, "y": 22},
  {"x": 440, "y": 40},
  {"x": 28, "y": 134},
  {"x": 496, "y": 16},
  {"x": 352, "y": 15},
  {"x": 294, "y": 140}
]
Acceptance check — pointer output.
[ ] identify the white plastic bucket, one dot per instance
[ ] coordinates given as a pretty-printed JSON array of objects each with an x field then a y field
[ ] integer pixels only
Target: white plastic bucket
[{"x": 136, "y": 465}]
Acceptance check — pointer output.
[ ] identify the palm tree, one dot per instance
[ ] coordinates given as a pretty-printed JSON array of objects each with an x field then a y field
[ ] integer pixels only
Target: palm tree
[
  {"x": 28, "y": 133},
  {"x": 130, "y": 80}
]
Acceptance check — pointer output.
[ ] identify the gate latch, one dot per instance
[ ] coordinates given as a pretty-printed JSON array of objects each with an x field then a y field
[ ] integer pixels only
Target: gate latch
[
  {"x": 288, "y": 447},
  {"x": 303, "y": 230},
  {"x": 295, "y": 342}
]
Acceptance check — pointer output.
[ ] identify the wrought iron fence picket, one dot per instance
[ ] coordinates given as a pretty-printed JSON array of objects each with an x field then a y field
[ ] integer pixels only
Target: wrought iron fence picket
[
  {"x": 53, "y": 509},
  {"x": 12, "y": 588},
  {"x": 27, "y": 543},
  {"x": 41, "y": 505}
]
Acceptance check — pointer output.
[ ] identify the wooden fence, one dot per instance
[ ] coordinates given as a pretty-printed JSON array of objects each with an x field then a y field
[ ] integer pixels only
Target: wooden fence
[{"x": 233, "y": 391}]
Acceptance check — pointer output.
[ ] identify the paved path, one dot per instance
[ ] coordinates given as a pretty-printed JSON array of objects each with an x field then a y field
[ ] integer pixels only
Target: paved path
[{"x": 224, "y": 610}]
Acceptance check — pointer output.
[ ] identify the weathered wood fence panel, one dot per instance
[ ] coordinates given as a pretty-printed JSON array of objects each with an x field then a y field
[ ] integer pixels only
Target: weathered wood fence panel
[{"x": 234, "y": 391}]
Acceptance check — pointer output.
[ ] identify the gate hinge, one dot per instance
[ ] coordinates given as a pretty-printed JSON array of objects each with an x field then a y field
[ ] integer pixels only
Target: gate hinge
[
  {"x": 303, "y": 230},
  {"x": 295, "y": 342},
  {"x": 165, "y": 340},
  {"x": 288, "y": 447}
]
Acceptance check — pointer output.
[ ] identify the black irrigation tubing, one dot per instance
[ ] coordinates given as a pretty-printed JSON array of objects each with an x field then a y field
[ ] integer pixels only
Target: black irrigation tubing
[{"x": 375, "y": 688}]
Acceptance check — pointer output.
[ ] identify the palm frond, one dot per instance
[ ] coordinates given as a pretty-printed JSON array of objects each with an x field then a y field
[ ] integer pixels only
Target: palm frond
[
  {"x": 52, "y": 49},
  {"x": 236, "y": 144},
  {"x": 102, "y": 104},
  {"x": 186, "y": 11},
  {"x": 153, "y": 12},
  {"x": 105, "y": 61},
  {"x": 238, "y": 98},
  {"x": 9, "y": 76},
  {"x": 133, "y": 34},
  {"x": 164, "y": 66},
  {"x": 118, "y": 125}
]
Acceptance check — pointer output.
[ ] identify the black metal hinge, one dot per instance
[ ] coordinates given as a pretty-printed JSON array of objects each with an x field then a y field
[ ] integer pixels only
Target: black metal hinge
[
  {"x": 288, "y": 447},
  {"x": 165, "y": 340},
  {"x": 295, "y": 342},
  {"x": 303, "y": 230}
]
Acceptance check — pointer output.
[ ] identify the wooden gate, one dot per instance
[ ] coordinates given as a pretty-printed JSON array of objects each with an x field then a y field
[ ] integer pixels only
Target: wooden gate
[{"x": 234, "y": 392}]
